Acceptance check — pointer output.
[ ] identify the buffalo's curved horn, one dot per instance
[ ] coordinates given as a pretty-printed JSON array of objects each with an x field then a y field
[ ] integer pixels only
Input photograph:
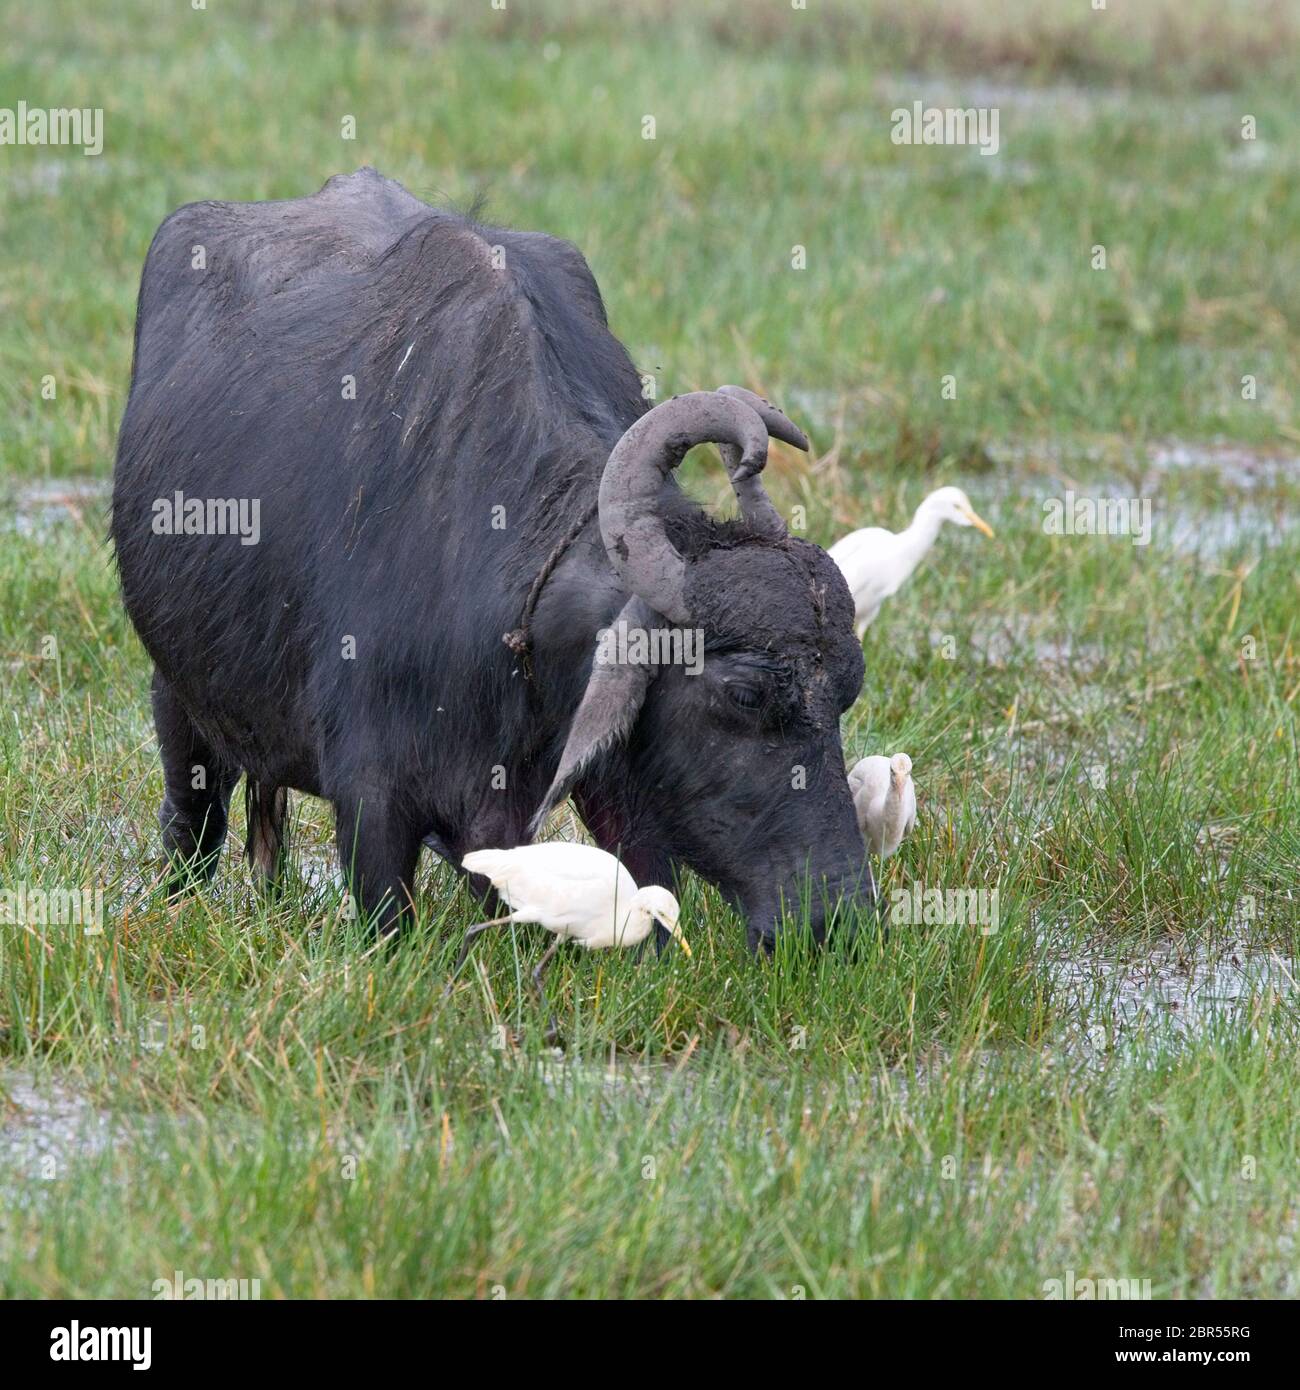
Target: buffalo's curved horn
[
  {"x": 755, "y": 505},
  {"x": 638, "y": 547},
  {"x": 778, "y": 423}
]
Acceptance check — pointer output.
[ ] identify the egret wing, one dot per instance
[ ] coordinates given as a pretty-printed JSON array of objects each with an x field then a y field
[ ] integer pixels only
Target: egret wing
[
  {"x": 868, "y": 783},
  {"x": 560, "y": 884},
  {"x": 869, "y": 777}
]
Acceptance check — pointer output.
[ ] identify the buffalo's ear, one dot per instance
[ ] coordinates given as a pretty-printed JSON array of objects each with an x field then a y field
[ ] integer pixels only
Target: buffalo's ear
[{"x": 609, "y": 708}]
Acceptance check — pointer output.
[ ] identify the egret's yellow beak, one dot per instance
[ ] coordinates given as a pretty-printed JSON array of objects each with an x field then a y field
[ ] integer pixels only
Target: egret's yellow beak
[
  {"x": 978, "y": 522},
  {"x": 680, "y": 939}
]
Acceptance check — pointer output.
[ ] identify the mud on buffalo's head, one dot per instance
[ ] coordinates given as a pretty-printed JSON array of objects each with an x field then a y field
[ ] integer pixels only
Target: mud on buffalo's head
[{"x": 713, "y": 709}]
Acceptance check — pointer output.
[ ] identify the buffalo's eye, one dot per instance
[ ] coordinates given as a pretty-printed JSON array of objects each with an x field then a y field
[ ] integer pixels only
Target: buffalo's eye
[{"x": 745, "y": 696}]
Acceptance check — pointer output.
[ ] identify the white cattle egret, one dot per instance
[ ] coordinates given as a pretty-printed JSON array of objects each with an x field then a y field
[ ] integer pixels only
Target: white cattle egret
[
  {"x": 577, "y": 892},
  {"x": 876, "y": 562},
  {"x": 885, "y": 800}
]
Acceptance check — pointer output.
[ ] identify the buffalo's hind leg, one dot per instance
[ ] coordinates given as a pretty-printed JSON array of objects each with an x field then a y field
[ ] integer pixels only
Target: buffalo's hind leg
[
  {"x": 379, "y": 849},
  {"x": 197, "y": 786}
]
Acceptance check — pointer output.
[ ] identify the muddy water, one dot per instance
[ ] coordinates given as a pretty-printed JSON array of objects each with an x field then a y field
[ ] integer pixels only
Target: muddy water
[
  {"x": 1183, "y": 986},
  {"x": 44, "y": 1126},
  {"x": 1211, "y": 534},
  {"x": 35, "y": 510},
  {"x": 1238, "y": 467}
]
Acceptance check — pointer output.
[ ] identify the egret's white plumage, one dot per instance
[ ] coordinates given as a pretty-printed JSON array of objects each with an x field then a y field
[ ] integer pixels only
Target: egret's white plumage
[
  {"x": 876, "y": 563},
  {"x": 885, "y": 800},
  {"x": 578, "y": 892}
]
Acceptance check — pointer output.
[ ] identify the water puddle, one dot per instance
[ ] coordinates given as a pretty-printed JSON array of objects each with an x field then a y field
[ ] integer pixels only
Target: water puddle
[
  {"x": 564, "y": 1075},
  {"x": 1079, "y": 103},
  {"x": 1021, "y": 637},
  {"x": 1242, "y": 468},
  {"x": 34, "y": 511},
  {"x": 44, "y": 1127},
  {"x": 1211, "y": 534},
  {"x": 1247, "y": 504},
  {"x": 1180, "y": 987},
  {"x": 47, "y": 177}
]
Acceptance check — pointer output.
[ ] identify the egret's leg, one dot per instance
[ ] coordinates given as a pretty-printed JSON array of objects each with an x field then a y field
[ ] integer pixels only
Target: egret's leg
[
  {"x": 470, "y": 934},
  {"x": 551, "y": 1031},
  {"x": 543, "y": 963}
]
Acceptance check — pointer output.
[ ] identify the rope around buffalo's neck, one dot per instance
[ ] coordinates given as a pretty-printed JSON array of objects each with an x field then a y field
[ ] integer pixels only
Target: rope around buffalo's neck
[{"x": 520, "y": 639}]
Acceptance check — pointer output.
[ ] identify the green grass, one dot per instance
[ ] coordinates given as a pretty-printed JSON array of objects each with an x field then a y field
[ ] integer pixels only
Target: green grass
[{"x": 940, "y": 1114}]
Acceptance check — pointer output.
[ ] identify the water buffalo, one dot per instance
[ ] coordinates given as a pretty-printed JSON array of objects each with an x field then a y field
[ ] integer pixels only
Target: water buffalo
[{"x": 365, "y": 439}]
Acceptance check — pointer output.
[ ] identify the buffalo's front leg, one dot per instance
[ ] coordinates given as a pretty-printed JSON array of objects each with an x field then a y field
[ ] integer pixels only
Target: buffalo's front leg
[{"x": 378, "y": 849}]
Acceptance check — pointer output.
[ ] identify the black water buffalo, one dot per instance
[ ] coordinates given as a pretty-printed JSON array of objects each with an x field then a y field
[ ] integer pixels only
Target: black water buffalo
[{"x": 365, "y": 439}]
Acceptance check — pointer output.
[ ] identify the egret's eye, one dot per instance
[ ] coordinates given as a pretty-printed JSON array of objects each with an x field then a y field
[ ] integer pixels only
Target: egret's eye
[{"x": 746, "y": 696}]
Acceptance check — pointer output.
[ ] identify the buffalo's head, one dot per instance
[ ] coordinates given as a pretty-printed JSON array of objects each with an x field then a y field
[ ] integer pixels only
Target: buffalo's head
[{"x": 712, "y": 714}]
